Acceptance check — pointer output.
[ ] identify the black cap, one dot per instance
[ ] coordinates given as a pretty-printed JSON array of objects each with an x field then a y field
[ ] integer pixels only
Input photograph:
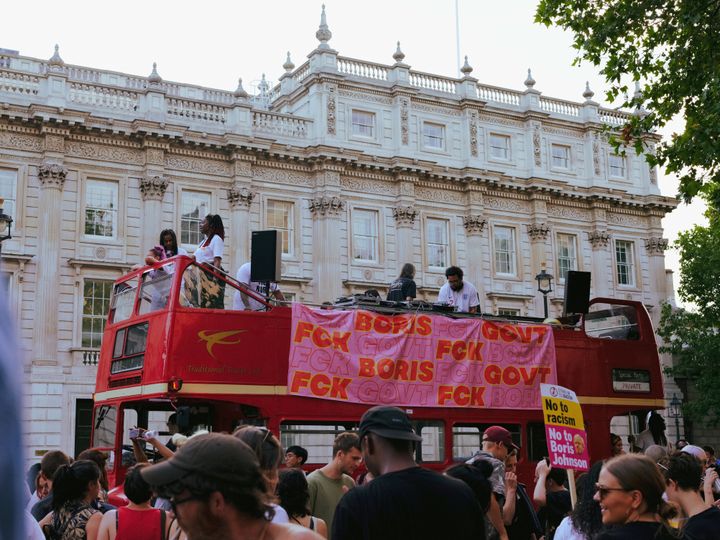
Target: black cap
[{"x": 388, "y": 422}]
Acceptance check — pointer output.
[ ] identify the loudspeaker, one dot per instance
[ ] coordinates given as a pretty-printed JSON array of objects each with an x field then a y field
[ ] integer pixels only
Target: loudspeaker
[
  {"x": 265, "y": 251},
  {"x": 577, "y": 292}
]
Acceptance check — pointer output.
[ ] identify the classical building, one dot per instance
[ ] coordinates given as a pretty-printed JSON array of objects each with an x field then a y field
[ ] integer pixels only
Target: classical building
[{"x": 361, "y": 166}]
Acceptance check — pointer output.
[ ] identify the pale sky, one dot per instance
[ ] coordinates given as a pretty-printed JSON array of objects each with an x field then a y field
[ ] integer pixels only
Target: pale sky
[{"x": 212, "y": 43}]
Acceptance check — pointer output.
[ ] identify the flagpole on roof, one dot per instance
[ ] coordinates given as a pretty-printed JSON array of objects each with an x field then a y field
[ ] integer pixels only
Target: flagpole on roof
[{"x": 457, "y": 35}]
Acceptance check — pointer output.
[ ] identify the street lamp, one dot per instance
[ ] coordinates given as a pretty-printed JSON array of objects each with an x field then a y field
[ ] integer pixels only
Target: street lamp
[
  {"x": 5, "y": 225},
  {"x": 674, "y": 411},
  {"x": 544, "y": 286}
]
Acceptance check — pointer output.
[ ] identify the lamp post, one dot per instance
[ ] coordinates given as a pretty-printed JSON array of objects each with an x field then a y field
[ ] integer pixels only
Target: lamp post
[
  {"x": 674, "y": 411},
  {"x": 544, "y": 286},
  {"x": 5, "y": 225}
]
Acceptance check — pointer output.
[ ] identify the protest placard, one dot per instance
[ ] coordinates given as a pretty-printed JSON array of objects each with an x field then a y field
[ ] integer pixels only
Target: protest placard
[{"x": 564, "y": 428}]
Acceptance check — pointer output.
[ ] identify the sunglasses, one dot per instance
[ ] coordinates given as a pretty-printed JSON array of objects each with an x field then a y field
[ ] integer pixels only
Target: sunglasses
[
  {"x": 603, "y": 491},
  {"x": 174, "y": 503}
]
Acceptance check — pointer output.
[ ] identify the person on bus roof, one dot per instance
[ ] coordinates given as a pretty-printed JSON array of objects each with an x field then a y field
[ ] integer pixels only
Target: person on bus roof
[
  {"x": 403, "y": 288},
  {"x": 242, "y": 301},
  {"x": 210, "y": 249},
  {"x": 167, "y": 247},
  {"x": 462, "y": 295}
]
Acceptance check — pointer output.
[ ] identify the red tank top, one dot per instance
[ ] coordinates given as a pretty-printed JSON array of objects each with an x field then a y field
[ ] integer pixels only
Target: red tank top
[{"x": 139, "y": 524}]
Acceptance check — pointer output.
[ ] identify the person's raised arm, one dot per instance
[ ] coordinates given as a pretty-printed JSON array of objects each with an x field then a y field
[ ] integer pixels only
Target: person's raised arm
[
  {"x": 541, "y": 472},
  {"x": 510, "y": 497}
]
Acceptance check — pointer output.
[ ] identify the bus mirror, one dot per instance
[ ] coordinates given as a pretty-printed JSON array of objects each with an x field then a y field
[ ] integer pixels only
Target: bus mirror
[{"x": 183, "y": 419}]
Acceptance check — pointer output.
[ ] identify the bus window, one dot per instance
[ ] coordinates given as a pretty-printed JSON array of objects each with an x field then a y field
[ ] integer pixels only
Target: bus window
[
  {"x": 105, "y": 427},
  {"x": 129, "y": 348},
  {"x": 316, "y": 438},
  {"x": 432, "y": 447},
  {"x": 202, "y": 289},
  {"x": 155, "y": 289},
  {"x": 608, "y": 321},
  {"x": 467, "y": 438},
  {"x": 536, "y": 441},
  {"x": 122, "y": 301}
]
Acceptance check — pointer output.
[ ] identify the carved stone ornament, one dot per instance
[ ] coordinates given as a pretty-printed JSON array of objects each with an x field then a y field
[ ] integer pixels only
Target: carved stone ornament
[
  {"x": 538, "y": 231},
  {"x": 473, "y": 135},
  {"x": 52, "y": 175},
  {"x": 599, "y": 239},
  {"x": 653, "y": 174},
  {"x": 240, "y": 197},
  {"x": 331, "y": 111},
  {"x": 536, "y": 146},
  {"x": 404, "y": 115},
  {"x": 474, "y": 224},
  {"x": 596, "y": 155},
  {"x": 153, "y": 188},
  {"x": 656, "y": 245},
  {"x": 326, "y": 206},
  {"x": 404, "y": 215}
]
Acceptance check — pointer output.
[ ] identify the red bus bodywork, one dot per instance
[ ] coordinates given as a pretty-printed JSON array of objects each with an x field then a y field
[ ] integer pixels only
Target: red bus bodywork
[{"x": 235, "y": 364}]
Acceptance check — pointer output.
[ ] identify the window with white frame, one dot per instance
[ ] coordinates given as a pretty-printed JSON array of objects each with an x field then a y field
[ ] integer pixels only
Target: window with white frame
[
  {"x": 96, "y": 303},
  {"x": 101, "y": 204},
  {"x": 505, "y": 252},
  {"x": 625, "y": 262},
  {"x": 566, "y": 253},
  {"x": 560, "y": 156},
  {"x": 365, "y": 237},
  {"x": 279, "y": 215},
  {"x": 363, "y": 123},
  {"x": 508, "y": 312},
  {"x": 499, "y": 146},
  {"x": 8, "y": 191},
  {"x": 194, "y": 206},
  {"x": 433, "y": 135},
  {"x": 616, "y": 164},
  {"x": 438, "y": 243}
]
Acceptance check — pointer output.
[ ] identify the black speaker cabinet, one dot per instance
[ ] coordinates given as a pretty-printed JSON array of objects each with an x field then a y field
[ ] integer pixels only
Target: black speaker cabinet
[
  {"x": 265, "y": 251},
  {"x": 577, "y": 292}
]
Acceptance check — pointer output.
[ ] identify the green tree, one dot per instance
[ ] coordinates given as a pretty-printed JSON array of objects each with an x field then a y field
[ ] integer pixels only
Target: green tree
[
  {"x": 693, "y": 337},
  {"x": 671, "y": 46}
]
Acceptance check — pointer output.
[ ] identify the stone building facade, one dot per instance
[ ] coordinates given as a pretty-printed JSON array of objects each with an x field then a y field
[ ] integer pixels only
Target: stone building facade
[{"x": 361, "y": 166}]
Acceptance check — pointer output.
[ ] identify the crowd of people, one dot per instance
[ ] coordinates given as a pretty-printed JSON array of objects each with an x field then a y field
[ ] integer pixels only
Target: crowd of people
[{"x": 243, "y": 485}]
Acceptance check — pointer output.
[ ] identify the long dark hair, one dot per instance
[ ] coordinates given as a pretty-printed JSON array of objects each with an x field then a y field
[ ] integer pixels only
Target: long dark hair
[
  {"x": 586, "y": 517},
  {"x": 216, "y": 227},
  {"x": 293, "y": 492},
  {"x": 657, "y": 428},
  {"x": 408, "y": 271},
  {"x": 174, "y": 248},
  {"x": 71, "y": 482}
]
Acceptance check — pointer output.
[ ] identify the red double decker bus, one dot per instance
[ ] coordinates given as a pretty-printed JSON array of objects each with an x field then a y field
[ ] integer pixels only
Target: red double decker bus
[{"x": 174, "y": 343}]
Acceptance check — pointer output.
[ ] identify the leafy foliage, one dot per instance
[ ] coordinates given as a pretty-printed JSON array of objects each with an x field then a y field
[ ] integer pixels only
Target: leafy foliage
[
  {"x": 694, "y": 337},
  {"x": 672, "y": 47}
]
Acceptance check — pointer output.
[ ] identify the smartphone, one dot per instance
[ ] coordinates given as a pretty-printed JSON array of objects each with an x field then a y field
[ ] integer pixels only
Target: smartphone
[{"x": 133, "y": 433}]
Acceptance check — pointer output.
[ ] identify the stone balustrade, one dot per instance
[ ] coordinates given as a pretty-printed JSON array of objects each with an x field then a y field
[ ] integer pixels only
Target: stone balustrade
[
  {"x": 496, "y": 94},
  {"x": 360, "y": 68}
]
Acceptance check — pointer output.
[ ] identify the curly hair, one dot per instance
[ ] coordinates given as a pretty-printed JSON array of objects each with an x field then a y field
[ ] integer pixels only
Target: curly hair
[
  {"x": 586, "y": 517},
  {"x": 216, "y": 226},
  {"x": 294, "y": 493}
]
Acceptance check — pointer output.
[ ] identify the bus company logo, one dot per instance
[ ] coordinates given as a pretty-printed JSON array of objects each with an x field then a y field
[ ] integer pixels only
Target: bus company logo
[
  {"x": 218, "y": 338},
  {"x": 553, "y": 391}
]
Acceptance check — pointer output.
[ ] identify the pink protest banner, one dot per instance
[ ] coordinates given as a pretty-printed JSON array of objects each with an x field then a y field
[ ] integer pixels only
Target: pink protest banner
[{"x": 418, "y": 359}]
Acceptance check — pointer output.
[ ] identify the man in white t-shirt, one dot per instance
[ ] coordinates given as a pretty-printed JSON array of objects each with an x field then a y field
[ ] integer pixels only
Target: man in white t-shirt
[
  {"x": 462, "y": 295},
  {"x": 243, "y": 301}
]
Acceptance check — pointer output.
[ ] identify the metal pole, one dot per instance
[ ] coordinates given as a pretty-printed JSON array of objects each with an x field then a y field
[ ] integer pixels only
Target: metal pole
[
  {"x": 545, "y": 304},
  {"x": 457, "y": 36},
  {"x": 677, "y": 429}
]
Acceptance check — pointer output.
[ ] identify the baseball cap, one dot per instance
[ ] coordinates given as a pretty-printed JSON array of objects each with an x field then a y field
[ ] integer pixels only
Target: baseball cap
[
  {"x": 499, "y": 434},
  {"x": 388, "y": 422},
  {"x": 213, "y": 455}
]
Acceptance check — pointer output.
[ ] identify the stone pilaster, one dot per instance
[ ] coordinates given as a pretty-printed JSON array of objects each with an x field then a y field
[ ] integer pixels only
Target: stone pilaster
[
  {"x": 152, "y": 190},
  {"x": 405, "y": 217},
  {"x": 328, "y": 212},
  {"x": 240, "y": 198},
  {"x": 655, "y": 247},
  {"x": 601, "y": 262},
  {"x": 475, "y": 225},
  {"x": 47, "y": 293}
]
